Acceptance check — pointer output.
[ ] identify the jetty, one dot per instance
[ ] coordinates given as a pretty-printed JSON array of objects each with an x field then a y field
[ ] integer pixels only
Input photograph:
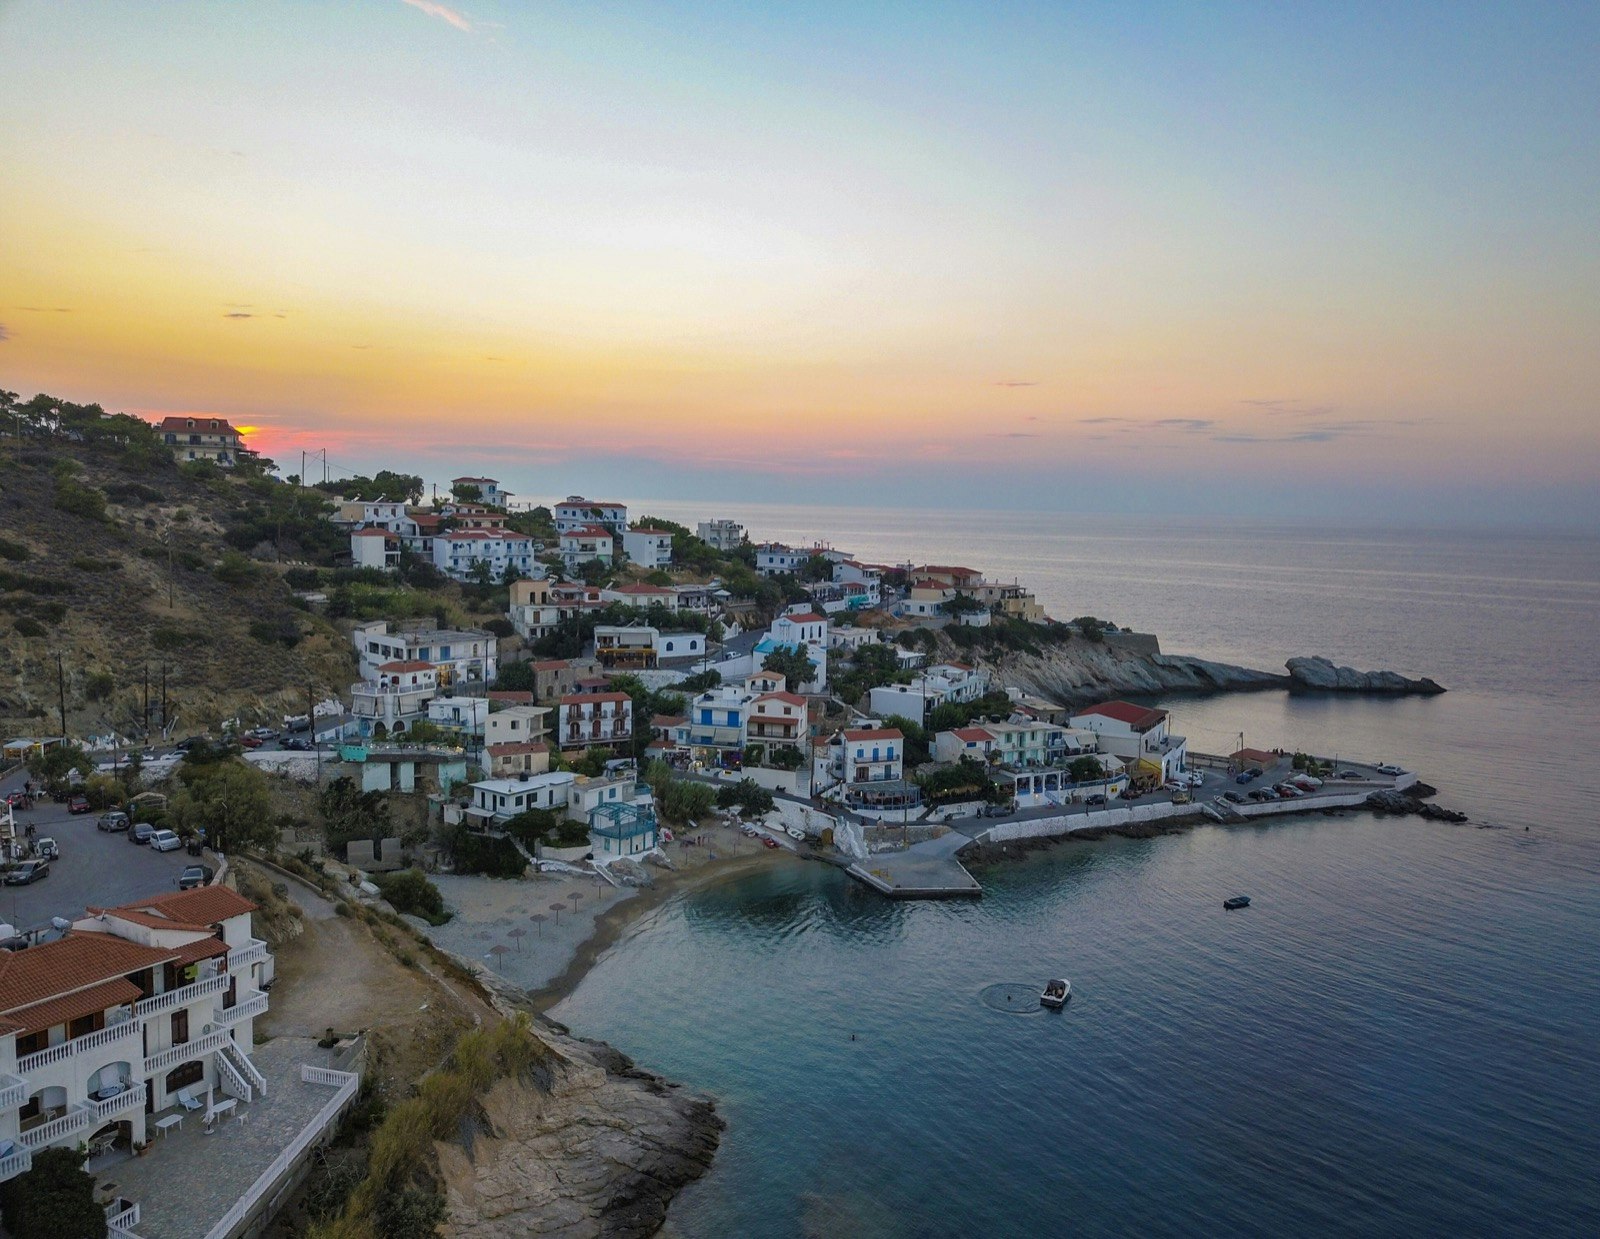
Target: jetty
[{"x": 926, "y": 870}]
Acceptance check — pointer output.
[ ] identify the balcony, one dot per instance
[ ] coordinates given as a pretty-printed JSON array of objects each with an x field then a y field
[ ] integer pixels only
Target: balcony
[
  {"x": 117, "y": 1033},
  {"x": 74, "y": 1120},
  {"x": 17, "y": 1163},
  {"x": 180, "y": 997},
  {"x": 127, "y": 1099},
  {"x": 229, "y": 1016},
  {"x": 165, "y": 1060},
  {"x": 242, "y": 957},
  {"x": 13, "y": 1091}
]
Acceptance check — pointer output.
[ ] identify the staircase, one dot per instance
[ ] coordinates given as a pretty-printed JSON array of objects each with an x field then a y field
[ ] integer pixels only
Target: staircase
[
  {"x": 232, "y": 1081},
  {"x": 232, "y": 1056}
]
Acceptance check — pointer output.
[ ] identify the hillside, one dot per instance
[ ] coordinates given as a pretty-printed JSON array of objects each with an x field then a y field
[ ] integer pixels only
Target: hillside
[{"x": 118, "y": 561}]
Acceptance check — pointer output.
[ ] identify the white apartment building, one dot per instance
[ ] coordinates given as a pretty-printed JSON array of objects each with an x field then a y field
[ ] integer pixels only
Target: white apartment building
[
  {"x": 594, "y": 720},
  {"x": 395, "y": 698},
  {"x": 846, "y": 637},
  {"x": 489, "y": 491},
  {"x": 941, "y": 684},
  {"x": 533, "y": 610},
  {"x": 774, "y": 558},
  {"x": 495, "y": 801},
  {"x": 464, "y": 715},
  {"x": 461, "y": 655},
  {"x": 575, "y": 511},
  {"x": 375, "y": 548},
  {"x": 583, "y": 544},
  {"x": 457, "y": 552},
  {"x": 867, "y": 755},
  {"x": 101, "y": 1030},
  {"x": 721, "y": 535},
  {"x": 777, "y": 718},
  {"x": 649, "y": 548},
  {"x": 1140, "y": 735}
]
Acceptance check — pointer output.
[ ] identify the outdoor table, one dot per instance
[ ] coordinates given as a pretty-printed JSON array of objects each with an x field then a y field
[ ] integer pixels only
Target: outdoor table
[{"x": 167, "y": 1124}]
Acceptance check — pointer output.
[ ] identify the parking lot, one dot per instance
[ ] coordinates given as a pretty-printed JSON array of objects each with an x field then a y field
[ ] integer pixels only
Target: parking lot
[{"x": 94, "y": 868}]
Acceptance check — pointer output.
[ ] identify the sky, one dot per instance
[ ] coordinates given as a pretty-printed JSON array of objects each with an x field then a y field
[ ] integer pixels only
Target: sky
[{"x": 1267, "y": 260}]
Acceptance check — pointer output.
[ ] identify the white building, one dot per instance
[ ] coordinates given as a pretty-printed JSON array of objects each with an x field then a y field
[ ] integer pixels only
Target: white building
[
  {"x": 457, "y": 552},
  {"x": 395, "y": 698},
  {"x": 846, "y": 637},
  {"x": 777, "y": 718},
  {"x": 941, "y": 684},
  {"x": 533, "y": 610},
  {"x": 799, "y": 628},
  {"x": 374, "y": 548},
  {"x": 867, "y": 576},
  {"x": 774, "y": 558},
  {"x": 496, "y": 801},
  {"x": 101, "y": 1030},
  {"x": 649, "y": 548},
  {"x": 574, "y": 512},
  {"x": 722, "y": 535},
  {"x": 461, "y": 655},
  {"x": 516, "y": 725},
  {"x": 594, "y": 720},
  {"x": 638, "y": 594},
  {"x": 1140, "y": 735},
  {"x": 582, "y": 544},
  {"x": 489, "y": 492},
  {"x": 464, "y": 715}
]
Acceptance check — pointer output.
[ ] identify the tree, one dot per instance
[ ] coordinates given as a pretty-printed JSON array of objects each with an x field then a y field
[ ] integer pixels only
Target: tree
[
  {"x": 410, "y": 891},
  {"x": 1086, "y": 770},
  {"x": 747, "y": 795},
  {"x": 817, "y": 568},
  {"x": 349, "y": 814},
  {"x": 793, "y": 664},
  {"x": 390, "y": 485},
  {"x": 226, "y": 799},
  {"x": 466, "y": 492},
  {"x": 54, "y": 1200},
  {"x": 514, "y": 678}
]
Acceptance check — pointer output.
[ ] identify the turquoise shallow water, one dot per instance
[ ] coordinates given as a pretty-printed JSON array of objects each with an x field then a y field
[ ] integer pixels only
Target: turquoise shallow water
[{"x": 1400, "y": 1036}]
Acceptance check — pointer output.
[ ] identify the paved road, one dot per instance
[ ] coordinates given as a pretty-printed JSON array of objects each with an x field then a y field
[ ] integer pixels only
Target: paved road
[{"x": 94, "y": 868}]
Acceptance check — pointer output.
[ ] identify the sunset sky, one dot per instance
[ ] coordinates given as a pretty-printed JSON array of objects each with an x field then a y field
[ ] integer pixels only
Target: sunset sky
[{"x": 1323, "y": 259}]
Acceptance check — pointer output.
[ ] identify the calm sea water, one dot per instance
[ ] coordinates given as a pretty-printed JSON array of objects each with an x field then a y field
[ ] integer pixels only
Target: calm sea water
[{"x": 1400, "y": 1036}]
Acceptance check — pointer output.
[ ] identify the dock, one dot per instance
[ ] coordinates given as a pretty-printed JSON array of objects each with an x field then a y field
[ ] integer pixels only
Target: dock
[{"x": 927, "y": 870}]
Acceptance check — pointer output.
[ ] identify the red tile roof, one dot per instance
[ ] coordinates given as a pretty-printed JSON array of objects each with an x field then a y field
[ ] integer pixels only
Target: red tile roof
[
  {"x": 73, "y": 1006},
  {"x": 805, "y": 617},
  {"x": 793, "y": 699},
  {"x": 667, "y": 720},
  {"x": 516, "y": 748},
  {"x": 204, "y": 905},
  {"x": 578, "y": 699},
  {"x": 973, "y": 735},
  {"x": 72, "y": 963},
  {"x": 1140, "y": 717},
  {"x": 588, "y": 531},
  {"x": 874, "y": 733},
  {"x": 552, "y": 664},
  {"x": 405, "y": 666},
  {"x": 205, "y": 425},
  {"x": 491, "y": 481}
]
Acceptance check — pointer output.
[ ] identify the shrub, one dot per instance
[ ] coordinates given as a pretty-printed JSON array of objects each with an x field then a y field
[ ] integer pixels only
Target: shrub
[
  {"x": 54, "y": 1200},
  {"x": 79, "y": 500},
  {"x": 500, "y": 628},
  {"x": 280, "y": 631},
  {"x": 30, "y": 627},
  {"x": 99, "y": 686},
  {"x": 165, "y": 638},
  {"x": 746, "y": 794},
  {"x": 410, "y": 891},
  {"x": 132, "y": 492},
  {"x": 14, "y": 551},
  {"x": 234, "y": 569},
  {"x": 302, "y": 578},
  {"x": 495, "y": 858},
  {"x": 88, "y": 563}
]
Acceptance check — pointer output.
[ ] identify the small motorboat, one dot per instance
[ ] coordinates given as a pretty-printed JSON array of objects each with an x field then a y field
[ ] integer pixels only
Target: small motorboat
[
  {"x": 1055, "y": 994},
  {"x": 1237, "y": 902},
  {"x": 794, "y": 832},
  {"x": 768, "y": 841}
]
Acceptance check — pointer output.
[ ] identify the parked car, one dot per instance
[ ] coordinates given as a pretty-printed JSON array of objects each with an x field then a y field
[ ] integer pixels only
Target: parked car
[
  {"x": 1288, "y": 791},
  {"x": 1234, "y": 797},
  {"x": 1242, "y": 777},
  {"x": 250, "y": 742},
  {"x": 1390, "y": 769},
  {"x": 165, "y": 841},
  {"x": 183, "y": 746},
  {"x": 112, "y": 822},
  {"x": 1351, "y": 774},
  {"x": 1255, "y": 772},
  {"x": 296, "y": 744},
  {"x": 1196, "y": 779},
  {"x": 78, "y": 804},
  {"x": 195, "y": 875},
  {"x": 141, "y": 832},
  {"x": 1096, "y": 799},
  {"x": 28, "y": 872},
  {"x": 47, "y": 849},
  {"x": 261, "y": 733},
  {"x": 1258, "y": 794},
  {"x": 1268, "y": 793},
  {"x": 1183, "y": 796}
]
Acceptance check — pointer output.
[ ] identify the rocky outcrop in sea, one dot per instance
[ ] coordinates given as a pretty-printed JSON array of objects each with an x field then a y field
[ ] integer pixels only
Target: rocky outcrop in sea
[{"x": 1322, "y": 676}]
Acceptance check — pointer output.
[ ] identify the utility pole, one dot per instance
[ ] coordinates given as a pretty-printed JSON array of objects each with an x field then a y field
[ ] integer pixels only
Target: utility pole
[
  {"x": 311, "y": 713},
  {"x": 147, "y": 703},
  {"x": 163, "y": 698},
  {"x": 61, "y": 691}
]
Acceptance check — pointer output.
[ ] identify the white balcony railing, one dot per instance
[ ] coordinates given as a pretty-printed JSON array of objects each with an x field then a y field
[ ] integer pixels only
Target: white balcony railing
[
  {"x": 229, "y": 1016},
  {"x": 242, "y": 957},
  {"x": 246, "y": 1068},
  {"x": 127, "y": 1099},
  {"x": 165, "y": 1060},
  {"x": 13, "y": 1091},
  {"x": 74, "y": 1120},
  {"x": 30, "y": 1063},
  {"x": 180, "y": 997},
  {"x": 19, "y": 1162},
  {"x": 235, "y": 1082},
  {"x": 126, "y": 1218}
]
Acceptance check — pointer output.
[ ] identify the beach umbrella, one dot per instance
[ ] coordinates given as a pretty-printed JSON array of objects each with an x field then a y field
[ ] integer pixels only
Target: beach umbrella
[
  {"x": 497, "y": 950},
  {"x": 485, "y": 934},
  {"x": 519, "y": 933},
  {"x": 575, "y": 896},
  {"x": 539, "y": 918},
  {"x": 557, "y": 907}
]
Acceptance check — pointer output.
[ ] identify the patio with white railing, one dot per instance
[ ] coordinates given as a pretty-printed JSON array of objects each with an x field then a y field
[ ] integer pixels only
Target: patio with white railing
[
  {"x": 194, "y": 1185},
  {"x": 117, "y": 1033}
]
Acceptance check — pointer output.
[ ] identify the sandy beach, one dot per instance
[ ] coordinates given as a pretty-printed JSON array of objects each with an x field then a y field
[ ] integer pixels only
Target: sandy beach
[{"x": 543, "y": 932}]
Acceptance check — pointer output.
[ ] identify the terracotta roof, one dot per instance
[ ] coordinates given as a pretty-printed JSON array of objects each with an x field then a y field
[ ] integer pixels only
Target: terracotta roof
[
  {"x": 794, "y": 699},
  {"x": 805, "y": 617},
  {"x": 578, "y": 699},
  {"x": 208, "y": 947},
  {"x": 640, "y": 589},
  {"x": 874, "y": 733},
  {"x": 204, "y": 905},
  {"x": 512, "y": 696},
  {"x": 552, "y": 664},
  {"x": 515, "y": 748},
  {"x": 972, "y": 735},
  {"x": 371, "y": 533},
  {"x": 588, "y": 531},
  {"x": 73, "y": 1006},
  {"x": 72, "y": 963},
  {"x": 1256, "y": 757},
  {"x": 208, "y": 425},
  {"x": 667, "y": 720},
  {"x": 405, "y": 666},
  {"x": 491, "y": 481},
  {"x": 1141, "y": 717},
  {"x": 149, "y": 920}
]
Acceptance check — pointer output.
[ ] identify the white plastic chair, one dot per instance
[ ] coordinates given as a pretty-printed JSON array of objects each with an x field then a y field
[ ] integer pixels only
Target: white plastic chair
[{"x": 187, "y": 1099}]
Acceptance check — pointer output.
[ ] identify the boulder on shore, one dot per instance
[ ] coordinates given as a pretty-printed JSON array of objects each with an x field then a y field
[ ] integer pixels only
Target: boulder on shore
[
  {"x": 1388, "y": 801},
  {"x": 1321, "y": 675}
]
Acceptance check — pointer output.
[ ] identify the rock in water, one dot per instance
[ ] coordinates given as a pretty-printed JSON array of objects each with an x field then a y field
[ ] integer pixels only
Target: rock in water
[{"x": 1322, "y": 676}]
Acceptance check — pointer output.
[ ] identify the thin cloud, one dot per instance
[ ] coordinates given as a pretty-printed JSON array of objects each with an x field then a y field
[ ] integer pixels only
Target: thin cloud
[
  {"x": 4, "y": 334},
  {"x": 1015, "y": 434},
  {"x": 443, "y": 13},
  {"x": 1291, "y": 407},
  {"x": 1104, "y": 421},
  {"x": 1191, "y": 424},
  {"x": 1017, "y": 383},
  {"x": 45, "y": 309},
  {"x": 238, "y": 314}
]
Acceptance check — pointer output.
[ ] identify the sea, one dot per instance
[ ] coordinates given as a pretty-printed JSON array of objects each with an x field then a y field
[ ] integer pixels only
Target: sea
[{"x": 1400, "y": 1036}]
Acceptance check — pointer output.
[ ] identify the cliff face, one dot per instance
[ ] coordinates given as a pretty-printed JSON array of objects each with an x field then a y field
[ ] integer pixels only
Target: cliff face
[
  {"x": 598, "y": 1149},
  {"x": 1081, "y": 672}
]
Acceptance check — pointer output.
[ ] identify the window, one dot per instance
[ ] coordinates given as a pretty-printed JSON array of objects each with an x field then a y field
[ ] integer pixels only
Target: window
[
  {"x": 184, "y": 1076},
  {"x": 180, "y": 1027}
]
